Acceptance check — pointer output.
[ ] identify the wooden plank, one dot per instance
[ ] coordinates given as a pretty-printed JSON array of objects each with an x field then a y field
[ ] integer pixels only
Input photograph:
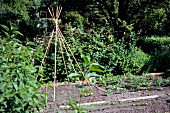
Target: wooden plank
[{"x": 121, "y": 100}]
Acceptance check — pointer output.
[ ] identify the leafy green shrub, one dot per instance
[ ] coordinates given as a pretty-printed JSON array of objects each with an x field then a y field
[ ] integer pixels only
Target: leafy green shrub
[
  {"x": 117, "y": 57},
  {"x": 159, "y": 61},
  {"x": 158, "y": 48},
  {"x": 76, "y": 19},
  {"x": 150, "y": 44},
  {"x": 18, "y": 71},
  {"x": 167, "y": 74},
  {"x": 129, "y": 60}
]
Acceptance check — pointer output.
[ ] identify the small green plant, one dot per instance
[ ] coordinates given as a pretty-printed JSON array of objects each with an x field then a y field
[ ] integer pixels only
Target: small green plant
[
  {"x": 90, "y": 69},
  {"x": 76, "y": 106},
  {"x": 158, "y": 81},
  {"x": 103, "y": 80}
]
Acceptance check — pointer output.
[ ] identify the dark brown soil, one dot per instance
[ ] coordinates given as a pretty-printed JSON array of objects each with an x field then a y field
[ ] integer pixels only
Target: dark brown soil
[{"x": 160, "y": 104}]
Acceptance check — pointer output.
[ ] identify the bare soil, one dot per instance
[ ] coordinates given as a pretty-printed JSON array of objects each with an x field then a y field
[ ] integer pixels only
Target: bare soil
[{"x": 113, "y": 104}]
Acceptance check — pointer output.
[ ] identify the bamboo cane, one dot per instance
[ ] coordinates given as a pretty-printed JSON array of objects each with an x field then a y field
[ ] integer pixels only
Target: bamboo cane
[{"x": 62, "y": 43}]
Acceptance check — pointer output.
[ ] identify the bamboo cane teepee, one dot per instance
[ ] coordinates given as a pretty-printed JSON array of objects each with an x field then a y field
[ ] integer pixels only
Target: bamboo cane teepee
[{"x": 60, "y": 42}]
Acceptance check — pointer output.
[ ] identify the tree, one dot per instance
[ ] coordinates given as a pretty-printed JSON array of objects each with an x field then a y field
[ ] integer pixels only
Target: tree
[
  {"x": 131, "y": 11},
  {"x": 147, "y": 16},
  {"x": 22, "y": 13}
]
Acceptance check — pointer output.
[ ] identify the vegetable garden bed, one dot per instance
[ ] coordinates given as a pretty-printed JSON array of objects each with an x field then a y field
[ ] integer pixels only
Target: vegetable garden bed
[{"x": 148, "y": 101}]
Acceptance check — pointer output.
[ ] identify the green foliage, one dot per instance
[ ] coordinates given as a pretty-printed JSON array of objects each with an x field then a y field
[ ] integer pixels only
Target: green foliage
[
  {"x": 159, "y": 61},
  {"x": 152, "y": 21},
  {"x": 167, "y": 74},
  {"x": 153, "y": 43},
  {"x": 11, "y": 32},
  {"x": 159, "y": 53},
  {"x": 147, "y": 16},
  {"x": 18, "y": 71},
  {"x": 17, "y": 9},
  {"x": 22, "y": 13},
  {"x": 76, "y": 19},
  {"x": 90, "y": 69},
  {"x": 129, "y": 60}
]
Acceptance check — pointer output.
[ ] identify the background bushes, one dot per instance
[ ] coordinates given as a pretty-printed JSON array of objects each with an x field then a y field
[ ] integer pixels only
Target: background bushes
[
  {"x": 101, "y": 46},
  {"x": 153, "y": 43},
  {"x": 159, "y": 50}
]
